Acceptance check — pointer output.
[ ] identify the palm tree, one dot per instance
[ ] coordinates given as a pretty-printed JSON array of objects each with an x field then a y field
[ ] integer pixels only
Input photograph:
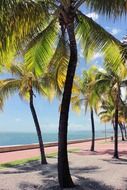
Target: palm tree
[
  {"x": 108, "y": 115},
  {"x": 25, "y": 82},
  {"x": 87, "y": 96},
  {"x": 43, "y": 36},
  {"x": 110, "y": 83}
]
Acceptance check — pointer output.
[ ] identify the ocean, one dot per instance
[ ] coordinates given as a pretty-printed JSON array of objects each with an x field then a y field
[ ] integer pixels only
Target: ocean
[{"x": 16, "y": 138}]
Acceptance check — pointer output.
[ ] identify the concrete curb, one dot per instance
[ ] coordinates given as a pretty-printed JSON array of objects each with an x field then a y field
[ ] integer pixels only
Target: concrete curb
[{"x": 35, "y": 146}]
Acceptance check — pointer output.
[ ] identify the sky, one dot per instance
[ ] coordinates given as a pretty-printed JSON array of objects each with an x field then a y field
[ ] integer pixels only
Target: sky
[{"x": 16, "y": 115}]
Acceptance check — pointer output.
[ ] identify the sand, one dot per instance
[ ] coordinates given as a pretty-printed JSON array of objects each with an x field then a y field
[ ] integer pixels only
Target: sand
[{"x": 90, "y": 171}]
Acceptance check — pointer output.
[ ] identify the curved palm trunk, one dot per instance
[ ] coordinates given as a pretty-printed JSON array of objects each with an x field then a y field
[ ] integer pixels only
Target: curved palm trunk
[
  {"x": 64, "y": 176},
  {"x": 43, "y": 157},
  {"x": 116, "y": 125},
  {"x": 121, "y": 130},
  {"x": 93, "y": 130}
]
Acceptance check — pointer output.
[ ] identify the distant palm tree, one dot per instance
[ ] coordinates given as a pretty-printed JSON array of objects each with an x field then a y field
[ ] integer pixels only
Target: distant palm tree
[
  {"x": 25, "y": 82},
  {"x": 109, "y": 87},
  {"x": 88, "y": 97},
  {"x": 108, "y": 115}
]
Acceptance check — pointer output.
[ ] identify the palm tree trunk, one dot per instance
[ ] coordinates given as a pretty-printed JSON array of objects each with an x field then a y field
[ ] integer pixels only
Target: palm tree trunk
[
  {"x": 125, "y": 131},
  {"x": 93, "y": 131},
  {"x": 64, "y": 176},
  {"x": 43, "y": 157},
  {"x": 116, "y": 125},
  {"x": 121, "y": 130}
]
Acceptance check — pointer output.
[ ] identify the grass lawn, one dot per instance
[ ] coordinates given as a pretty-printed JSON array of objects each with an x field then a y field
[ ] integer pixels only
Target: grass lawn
[{"x": 28, "y": 160}]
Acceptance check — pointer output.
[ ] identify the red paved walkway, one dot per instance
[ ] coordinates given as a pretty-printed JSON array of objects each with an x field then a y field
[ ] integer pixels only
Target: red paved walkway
[{"x": 101, "y": 147}]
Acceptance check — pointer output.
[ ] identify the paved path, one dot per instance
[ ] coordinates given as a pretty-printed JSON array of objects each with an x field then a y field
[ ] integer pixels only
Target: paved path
[{"x": 101, "y": 148}]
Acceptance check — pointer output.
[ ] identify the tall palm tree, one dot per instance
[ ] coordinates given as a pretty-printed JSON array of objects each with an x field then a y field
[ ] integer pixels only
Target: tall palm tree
[
  {"x": 25, "y": 82},
  {"x": 66, "y": 17}
]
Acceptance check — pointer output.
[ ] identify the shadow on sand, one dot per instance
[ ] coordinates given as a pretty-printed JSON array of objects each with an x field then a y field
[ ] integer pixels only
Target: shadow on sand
[
  {"x": 48, "y": 174},
  {"x": 82, "y": 184},
  {"x": 121, "y": 161},
  {"x": 100, "y": 152}
]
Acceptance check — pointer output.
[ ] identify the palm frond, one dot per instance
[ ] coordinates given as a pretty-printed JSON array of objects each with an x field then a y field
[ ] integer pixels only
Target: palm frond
[
  {"x": 57, "y": 67},
  {"x": 108, "y": 7},
  {"x": 18, "y": 19},
  {"x": 94, "y": 38},
  {"x": 8, "y": 87},
  {"x": 105, "y": 118},
  {"x": 41, "y": 49},
  {"x": 17, "y": 70},
  {"x": 76, "y": 103}
]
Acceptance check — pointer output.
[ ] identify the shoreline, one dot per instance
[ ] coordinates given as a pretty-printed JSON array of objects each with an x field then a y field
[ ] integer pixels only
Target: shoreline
[
  {"x": 13, "y": 148},
  {"x": 101, "y": 147}
]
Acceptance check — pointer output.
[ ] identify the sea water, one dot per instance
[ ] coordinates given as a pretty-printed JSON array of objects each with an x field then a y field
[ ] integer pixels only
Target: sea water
[{"x": 20, "y": 138}]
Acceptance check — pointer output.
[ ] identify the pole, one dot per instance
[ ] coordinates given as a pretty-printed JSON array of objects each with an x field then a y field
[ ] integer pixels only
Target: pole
[{"x": 105, "y": 133}]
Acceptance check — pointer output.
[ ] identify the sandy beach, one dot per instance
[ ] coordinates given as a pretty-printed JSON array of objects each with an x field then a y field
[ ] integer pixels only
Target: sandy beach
[{"x": 90, "y": 171}]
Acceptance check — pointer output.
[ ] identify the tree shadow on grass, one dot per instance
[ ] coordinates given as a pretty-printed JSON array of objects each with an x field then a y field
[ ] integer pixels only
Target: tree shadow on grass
[
  {"x": 80, "y": 184},
  {"x": 33, "y": 166}
]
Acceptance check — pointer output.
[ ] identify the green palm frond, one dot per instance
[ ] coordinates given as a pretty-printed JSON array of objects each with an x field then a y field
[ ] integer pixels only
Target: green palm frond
[
  {"x": 20, "y": 18},
  {"x": 76, "y": 103},
  {"x": 86, "y": 94},
  {"x": 41, "y": 49},
  {"x": 94, "y": 38},
  {"x": 57, "y": 67},
  {"x": 17, "y": 70},
  {"x": 23, "y": 80},
  {"x": 43, "y": 87},
  {"x": 2, "y": 100},
  {"x": 8, "y": 87},
  {"x": 106, "y": 118},
  {"x": 108, "y": 7}
]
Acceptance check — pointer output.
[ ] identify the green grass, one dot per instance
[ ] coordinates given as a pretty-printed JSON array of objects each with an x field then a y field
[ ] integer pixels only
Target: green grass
[
  {"x": 74, "y": 150},
  {"x": 28, "y": 160},
  {"x": 18, "y": 162},
  {"x": 51, "y": 155}
]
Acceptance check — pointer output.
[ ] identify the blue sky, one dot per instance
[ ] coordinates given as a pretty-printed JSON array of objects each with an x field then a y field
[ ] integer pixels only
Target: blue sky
[{"x": 16, "y": 115}]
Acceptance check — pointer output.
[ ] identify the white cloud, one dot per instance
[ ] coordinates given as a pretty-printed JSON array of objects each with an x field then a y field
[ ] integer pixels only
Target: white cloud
[
  {"x": 93, "y": 15},
  {"x": 97, "y": 55},
  {"x": 101, "y": 69},
  {"x": 81, "y": 54},
  {"x": 123, "y": 93},
  {"x": 115, "y": 31}
]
